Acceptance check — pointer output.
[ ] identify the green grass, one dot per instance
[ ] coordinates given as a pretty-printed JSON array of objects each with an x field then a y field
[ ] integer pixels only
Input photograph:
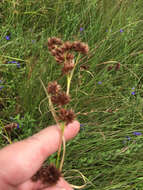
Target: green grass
[{"x": 101, "y": 150}]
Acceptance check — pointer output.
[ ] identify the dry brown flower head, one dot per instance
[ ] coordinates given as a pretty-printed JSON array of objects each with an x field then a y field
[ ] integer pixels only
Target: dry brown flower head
[
  {"x": 53, "y": 87},
  {"x": 48, "y": 175},
  {"x": 66, "y": 115},
  {"x": 60, "y": 99},
  {"x": 68, "y": 66}
]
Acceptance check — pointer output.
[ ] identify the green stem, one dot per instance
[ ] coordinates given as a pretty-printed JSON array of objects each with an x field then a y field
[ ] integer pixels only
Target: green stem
[
  {"x": 50, "y": 104},
  {"x": 60, "y": 144},
  {"x": 69, "y": 76}
]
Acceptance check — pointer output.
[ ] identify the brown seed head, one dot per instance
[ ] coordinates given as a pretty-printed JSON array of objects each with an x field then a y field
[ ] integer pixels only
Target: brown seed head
[
  {"x": 84, "y": 48},
  {"x": 53, "y": 52},
  {"x": 76, "y": 44},
  {"x": 66, "y": 46},
  {"x": 47, "y": 174},
  {"x": 60, "y": 99},
  {"x": 52, "y": 47},
  {"x": 53, "y": 87},
  {"x": 54, "y": 41},
  {"x": 59, "y": 58},
  {"x": 80, "y": 47},
  {"x": 66, "y": 115},
  {"x": 59, "y": 50},
  {"x": 68, "y": 66},
  {"x": 69, "y": 56}
]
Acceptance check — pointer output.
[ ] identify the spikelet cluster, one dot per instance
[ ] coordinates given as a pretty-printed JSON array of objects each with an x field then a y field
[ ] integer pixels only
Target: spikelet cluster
[
  {"x": 62, "y": 52},
  {"x": 48, "y": 175},
  {"x": 60, "y": 98}
]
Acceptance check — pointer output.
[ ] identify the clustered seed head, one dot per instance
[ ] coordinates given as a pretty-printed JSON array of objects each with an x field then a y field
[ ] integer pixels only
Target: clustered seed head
[
  {"x": 48, "y": 175},
  {"x": 66, "y": 46},
  {"x": 69, "y": 56},
  {"x": 61, "y": 53},
  {"x": 66, "y": 115},
  {"x": 61, "y": 98},
  {"x": 68, "y": 66},
  {"x": 80, "y": 47},
  {"x": 52, "y": 42},
  {"x": 53, "y": 87}
]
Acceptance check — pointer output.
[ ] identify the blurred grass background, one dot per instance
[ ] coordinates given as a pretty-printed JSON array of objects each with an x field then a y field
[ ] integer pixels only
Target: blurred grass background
[{"x": 108, "y": 149}]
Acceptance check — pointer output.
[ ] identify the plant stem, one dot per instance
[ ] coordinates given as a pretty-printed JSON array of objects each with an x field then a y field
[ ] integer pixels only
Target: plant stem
[
  {"x": 62, "y": 126},
  {"x": 69, "y": 76},
  {"x": 50, "y": 104}
]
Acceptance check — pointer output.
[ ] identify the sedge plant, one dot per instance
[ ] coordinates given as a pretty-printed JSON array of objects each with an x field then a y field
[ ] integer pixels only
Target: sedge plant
[{"x": 67, "y": 55}]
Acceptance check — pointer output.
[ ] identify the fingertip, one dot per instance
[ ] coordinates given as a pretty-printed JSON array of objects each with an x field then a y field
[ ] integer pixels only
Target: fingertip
[{"x": 72, "y": 129}]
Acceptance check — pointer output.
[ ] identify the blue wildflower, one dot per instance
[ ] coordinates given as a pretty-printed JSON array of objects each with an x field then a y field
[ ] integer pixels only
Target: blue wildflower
[
  {"x": 99, "y": 82},
  {"x": 137, "y": 133},
  {"x": 133, "y": 88},
  {"x": 128, "y": 137},
  {"x": 82, "y": 125},
  {"x": 17, "y": 125},
  {"x": 7, "y": 37},
  {"x": 1, "y": 87},
  {"x": 0, "y": 81},
  {"x": 18, "y": 65},
  {"x": 81, "y": 29},
  {"x": 133, "y": 93},
  {"x": 121, "y": 30},
  {"x": 12, "y": 62}
]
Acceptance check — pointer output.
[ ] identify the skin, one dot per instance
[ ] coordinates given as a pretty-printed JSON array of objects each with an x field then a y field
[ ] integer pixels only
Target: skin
[{"x": 21, "y": 160}]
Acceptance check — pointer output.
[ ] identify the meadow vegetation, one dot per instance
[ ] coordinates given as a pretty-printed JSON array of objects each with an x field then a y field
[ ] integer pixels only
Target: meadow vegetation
[{"x": 106, "y": 89}]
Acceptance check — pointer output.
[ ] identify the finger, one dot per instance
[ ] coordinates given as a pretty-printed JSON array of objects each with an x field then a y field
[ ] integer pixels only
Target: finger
[
  {"x": 19, "y": 161},
  {"x": 62, "y": 184}
]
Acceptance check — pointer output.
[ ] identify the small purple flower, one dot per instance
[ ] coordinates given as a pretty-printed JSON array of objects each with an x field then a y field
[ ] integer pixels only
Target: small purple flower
[
  {"x": 82, "y": 125},
  {"x": 81, "y": 29},
  {"x": 133, "y": 88},
  {"x": 18, "y": 65},
  {"x": 121, "y": 30},
  {"x": 99, "y": 82},
  {"x": 128, "y": 137},
  {"x": 0, "y": 81},
  {"x": 17, "y": 125},
  {"x": 137, "y": 133},
  {"x": 133, "y": 93},
  {"x": 12, "y": 62},
  {"x": 1, "y": 87},
  {"x": 7, "y": 37}
]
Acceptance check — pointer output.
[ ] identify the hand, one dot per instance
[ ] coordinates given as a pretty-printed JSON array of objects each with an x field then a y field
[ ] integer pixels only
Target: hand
[{"x": 21, "y": 160}]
